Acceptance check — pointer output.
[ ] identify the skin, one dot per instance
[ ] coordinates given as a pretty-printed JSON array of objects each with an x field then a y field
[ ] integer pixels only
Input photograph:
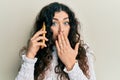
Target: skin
[{"x": 60, "y": 29}]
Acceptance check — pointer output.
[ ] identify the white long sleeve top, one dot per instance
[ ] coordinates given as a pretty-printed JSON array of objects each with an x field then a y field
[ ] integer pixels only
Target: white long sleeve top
[{"x": 27, "y": 68}]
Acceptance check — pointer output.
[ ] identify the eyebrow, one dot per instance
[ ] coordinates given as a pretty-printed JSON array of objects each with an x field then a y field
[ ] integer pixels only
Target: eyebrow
[{"x": 63, "y": 18}]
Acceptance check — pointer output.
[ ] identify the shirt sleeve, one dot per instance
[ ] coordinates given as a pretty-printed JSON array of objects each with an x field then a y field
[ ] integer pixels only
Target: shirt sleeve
[
  {"x": 77, "y": 74},
  {"x": 27, "y": 69}
]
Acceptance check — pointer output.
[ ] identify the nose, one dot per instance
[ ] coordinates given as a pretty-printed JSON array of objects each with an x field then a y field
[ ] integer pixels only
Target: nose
[{"x": 61, "y": 29}]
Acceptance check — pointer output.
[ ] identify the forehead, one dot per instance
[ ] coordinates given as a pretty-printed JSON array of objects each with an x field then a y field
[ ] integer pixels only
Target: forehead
[{"x": 61, "y": 15}]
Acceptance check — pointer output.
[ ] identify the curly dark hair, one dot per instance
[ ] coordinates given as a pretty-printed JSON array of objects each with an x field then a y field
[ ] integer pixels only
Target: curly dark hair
[{"x": 45, "y": 55}]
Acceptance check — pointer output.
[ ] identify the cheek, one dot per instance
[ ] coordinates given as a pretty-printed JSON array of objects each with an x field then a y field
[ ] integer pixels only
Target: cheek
[
  {"x": 55, "y": 32},
  {"x": 67, "y": 31},
  {"x": 55, "y": 35}
]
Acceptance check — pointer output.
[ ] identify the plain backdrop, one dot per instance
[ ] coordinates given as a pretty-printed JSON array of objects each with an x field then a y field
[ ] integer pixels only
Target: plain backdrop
[{"x": 100, "y": 22}]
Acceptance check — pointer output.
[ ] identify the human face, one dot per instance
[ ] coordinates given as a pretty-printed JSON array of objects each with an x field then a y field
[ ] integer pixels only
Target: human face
[{"x": 60, "y": 23}]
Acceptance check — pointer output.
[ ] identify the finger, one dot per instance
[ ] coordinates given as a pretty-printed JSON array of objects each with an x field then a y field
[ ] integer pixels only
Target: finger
[
  {"x": 37, "y": 34},
  {"x": 59, "y": 41},
  {"x": 41, "y": 38},
  {"x": 62, "y": 40},
  {"x": 57, "y": 46},
  {"x": 66, "y": 39},
  {"x": 40, "y": 44},
  {"x": 76, "y": 47}
]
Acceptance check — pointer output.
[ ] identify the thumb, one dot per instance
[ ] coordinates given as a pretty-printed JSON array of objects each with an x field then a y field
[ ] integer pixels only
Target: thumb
[{"x": 76, "y": 47}]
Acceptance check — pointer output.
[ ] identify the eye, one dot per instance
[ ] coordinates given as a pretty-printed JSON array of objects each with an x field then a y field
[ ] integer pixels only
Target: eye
[
  {"x": 66, "y": 23},
  {"x": 54, "y": 23}
]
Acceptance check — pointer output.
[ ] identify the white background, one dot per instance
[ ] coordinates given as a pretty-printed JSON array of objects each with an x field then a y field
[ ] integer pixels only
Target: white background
[{"x": 100, "y": 20}]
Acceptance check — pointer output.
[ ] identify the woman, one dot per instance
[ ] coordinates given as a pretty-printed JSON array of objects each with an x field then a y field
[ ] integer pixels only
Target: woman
[{"x": 64, "y": 56}]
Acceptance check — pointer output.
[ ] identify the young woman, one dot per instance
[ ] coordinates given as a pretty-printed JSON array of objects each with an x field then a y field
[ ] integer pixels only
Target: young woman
[{"x": 64, "y": 56}]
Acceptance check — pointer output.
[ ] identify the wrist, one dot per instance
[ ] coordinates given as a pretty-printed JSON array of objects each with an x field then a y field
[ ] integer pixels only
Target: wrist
[
  {"x": 30, "y": 55},
  {"x": 70, "y": 66}
]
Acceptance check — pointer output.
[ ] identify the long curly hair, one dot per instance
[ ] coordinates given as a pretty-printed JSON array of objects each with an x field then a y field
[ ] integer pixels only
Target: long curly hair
[{"x": 45, "y": 55}]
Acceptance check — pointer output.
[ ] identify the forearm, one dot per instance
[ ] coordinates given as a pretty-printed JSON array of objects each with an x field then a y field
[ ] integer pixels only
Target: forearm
[
  {"x": 27, "y": 69},
  {"x": 76, "y": 73}
]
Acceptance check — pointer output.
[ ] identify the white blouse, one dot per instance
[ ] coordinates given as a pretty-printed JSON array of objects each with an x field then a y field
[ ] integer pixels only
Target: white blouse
[{"x": 27, "y": 68}]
